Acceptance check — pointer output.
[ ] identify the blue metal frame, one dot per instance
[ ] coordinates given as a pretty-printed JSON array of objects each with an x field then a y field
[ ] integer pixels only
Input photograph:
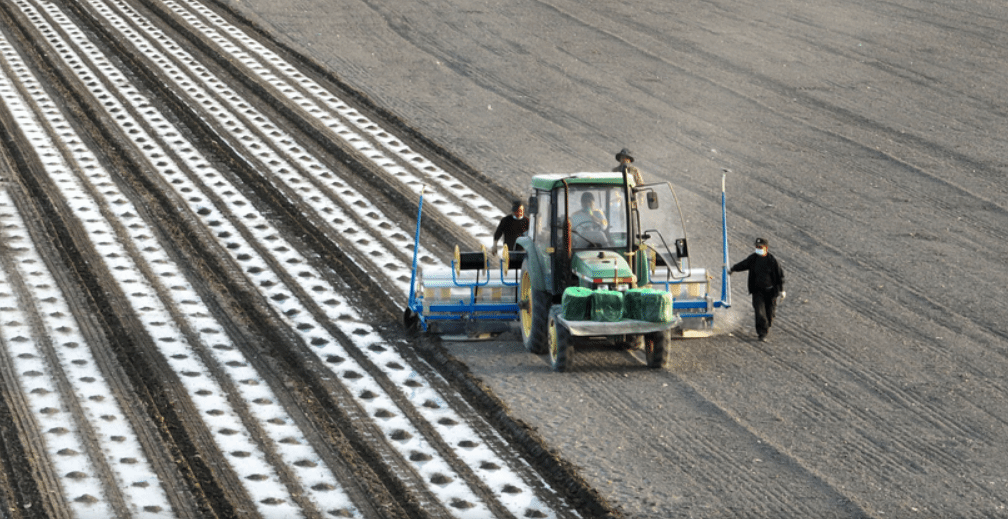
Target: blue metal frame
[
  {"x": 462, "y": 310},
  {"x": 725, "y": 301}
]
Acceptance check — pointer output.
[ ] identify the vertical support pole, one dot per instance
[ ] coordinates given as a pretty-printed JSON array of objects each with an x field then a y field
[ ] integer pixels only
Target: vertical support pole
[
  {"x": 725, "y": 301},
  {"x": 416, "y": 248}
]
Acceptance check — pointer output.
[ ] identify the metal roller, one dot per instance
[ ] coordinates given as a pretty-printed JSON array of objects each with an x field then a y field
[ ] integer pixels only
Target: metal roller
[{"x": 471, "y": 260}]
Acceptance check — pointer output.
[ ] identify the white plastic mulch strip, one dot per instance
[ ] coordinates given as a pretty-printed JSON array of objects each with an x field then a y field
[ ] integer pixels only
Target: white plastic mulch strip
[
  {"x": 402, "y": 434},
  {"x": 331, "y": 111},
  {"x": 306, "y": 176},
  {"x": 451, "y": 489},
  {"x": 514, "y": 492},
  {"x": 259, "y": 271},
  {"x": 142, "y": 253},
  {"x": 82, "y": 489}
]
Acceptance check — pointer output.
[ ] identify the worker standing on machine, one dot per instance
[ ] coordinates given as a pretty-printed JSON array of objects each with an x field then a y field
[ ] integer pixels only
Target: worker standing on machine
[
  {"x": 511, "y": 227},
  {"x": 625, "y": 159},
  {"x": 766, "y": 282}
]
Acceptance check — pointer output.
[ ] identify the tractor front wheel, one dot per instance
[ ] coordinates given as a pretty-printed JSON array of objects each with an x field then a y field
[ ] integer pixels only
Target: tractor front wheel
[
  {"x": 560, "y": 343},
  {"x": 534, "y": 307},
  {"x": 657, "y": 348}
]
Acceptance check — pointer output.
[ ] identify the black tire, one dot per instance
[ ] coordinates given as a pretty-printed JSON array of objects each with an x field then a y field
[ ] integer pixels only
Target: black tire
[
  {"x": 657, "y": 348},
  {"x": 560, "y": 343},
  {"x": 411, "y": 322},
  {"x": 632, "y": 342},
  {"x": 535, "y": 307}
]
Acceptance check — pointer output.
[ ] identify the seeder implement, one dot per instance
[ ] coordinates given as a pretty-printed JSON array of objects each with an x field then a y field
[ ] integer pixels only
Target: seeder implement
[{"x": 477, "y": 293}]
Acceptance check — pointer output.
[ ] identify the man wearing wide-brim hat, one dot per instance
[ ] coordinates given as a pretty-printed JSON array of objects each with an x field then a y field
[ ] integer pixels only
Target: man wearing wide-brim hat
[{"x": 625, "y": 159}]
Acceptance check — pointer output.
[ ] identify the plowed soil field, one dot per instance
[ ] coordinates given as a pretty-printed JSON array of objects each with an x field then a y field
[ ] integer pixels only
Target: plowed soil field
[{"x": 865, "y": 141}]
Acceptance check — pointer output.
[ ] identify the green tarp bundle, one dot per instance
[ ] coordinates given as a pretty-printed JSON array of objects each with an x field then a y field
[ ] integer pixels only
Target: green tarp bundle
[
  {"x": 648, "y": 304},
  {"x": 641, "y": 304},
  {"x": 607, "y": 305},
  {"x": 577, "y": 304}
]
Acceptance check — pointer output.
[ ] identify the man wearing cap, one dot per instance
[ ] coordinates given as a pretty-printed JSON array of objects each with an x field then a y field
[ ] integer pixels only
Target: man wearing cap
[
  {"x": 511, "y": 226},
  {"x": 766, "y": 282},
  {"x": 625, "y": 159}
]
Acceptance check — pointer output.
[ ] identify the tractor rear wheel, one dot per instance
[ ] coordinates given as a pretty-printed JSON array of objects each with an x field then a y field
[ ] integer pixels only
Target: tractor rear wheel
[
  {"x": 560, "y": 343},
  {"x": 657, "y": 348},
  {"x": 534, "y": 307}
]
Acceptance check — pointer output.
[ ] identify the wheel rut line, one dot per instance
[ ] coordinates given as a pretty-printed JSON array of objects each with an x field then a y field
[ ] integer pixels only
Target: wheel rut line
[
  {"x": 858, "y": 304},
  {"x": 947, "y": 209},
  {"x": 682, "y": 447},
  {"x": 863, "y": 305},
  {"x": 901, "y": 436},
  {"x": 865, "y": 264},
  {"x": 711, "y": 464},
  {"x": 785, "y": 91},
  {"x": 880, "y": 382}
]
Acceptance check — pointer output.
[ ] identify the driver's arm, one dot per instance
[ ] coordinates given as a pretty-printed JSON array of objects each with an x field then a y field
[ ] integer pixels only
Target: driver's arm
[{"x": 600, "y": 218}]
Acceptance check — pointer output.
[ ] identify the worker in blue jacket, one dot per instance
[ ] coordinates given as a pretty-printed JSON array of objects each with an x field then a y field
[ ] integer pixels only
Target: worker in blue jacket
[{"x": 766, "y": 283}]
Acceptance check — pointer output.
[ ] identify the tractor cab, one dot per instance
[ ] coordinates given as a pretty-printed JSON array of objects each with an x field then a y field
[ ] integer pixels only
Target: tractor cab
[
  {"x": 573, "y": 216},
  {"x": 582, "y": 225}
]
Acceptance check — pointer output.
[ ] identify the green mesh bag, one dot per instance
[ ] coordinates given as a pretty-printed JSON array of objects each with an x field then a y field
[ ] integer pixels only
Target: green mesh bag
[
  {"x": 607, "y": 305},
  {"x": 633, "y": 303},
  {"x": 648, "y": 304},
  {"x": 576, "y": 304}
]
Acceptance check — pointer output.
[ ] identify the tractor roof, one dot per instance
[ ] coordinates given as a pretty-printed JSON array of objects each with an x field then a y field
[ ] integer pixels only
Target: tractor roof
[{"x": 553, "y": 180}]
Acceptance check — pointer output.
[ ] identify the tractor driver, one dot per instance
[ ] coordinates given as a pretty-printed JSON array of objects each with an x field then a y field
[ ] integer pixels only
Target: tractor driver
[{"x": 589, "y": 217}]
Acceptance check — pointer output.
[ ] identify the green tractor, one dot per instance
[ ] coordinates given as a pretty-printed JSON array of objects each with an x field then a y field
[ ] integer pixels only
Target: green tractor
[{"x": 609, "y": 259}]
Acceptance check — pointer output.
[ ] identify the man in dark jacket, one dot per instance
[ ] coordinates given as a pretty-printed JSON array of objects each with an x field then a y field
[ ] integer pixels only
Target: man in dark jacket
[
  {"x": 766, "y": 282},
  {"x": 511, "y": 227}
]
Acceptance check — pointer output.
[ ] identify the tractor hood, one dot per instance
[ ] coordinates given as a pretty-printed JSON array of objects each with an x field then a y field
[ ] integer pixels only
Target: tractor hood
[{"x": 599, "y": 267}]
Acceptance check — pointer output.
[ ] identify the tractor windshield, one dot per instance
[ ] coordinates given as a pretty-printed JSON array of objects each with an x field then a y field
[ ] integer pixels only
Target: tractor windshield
[
  {"x": 598, "y": 216},
  {"x": 662, "y": 226}
]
